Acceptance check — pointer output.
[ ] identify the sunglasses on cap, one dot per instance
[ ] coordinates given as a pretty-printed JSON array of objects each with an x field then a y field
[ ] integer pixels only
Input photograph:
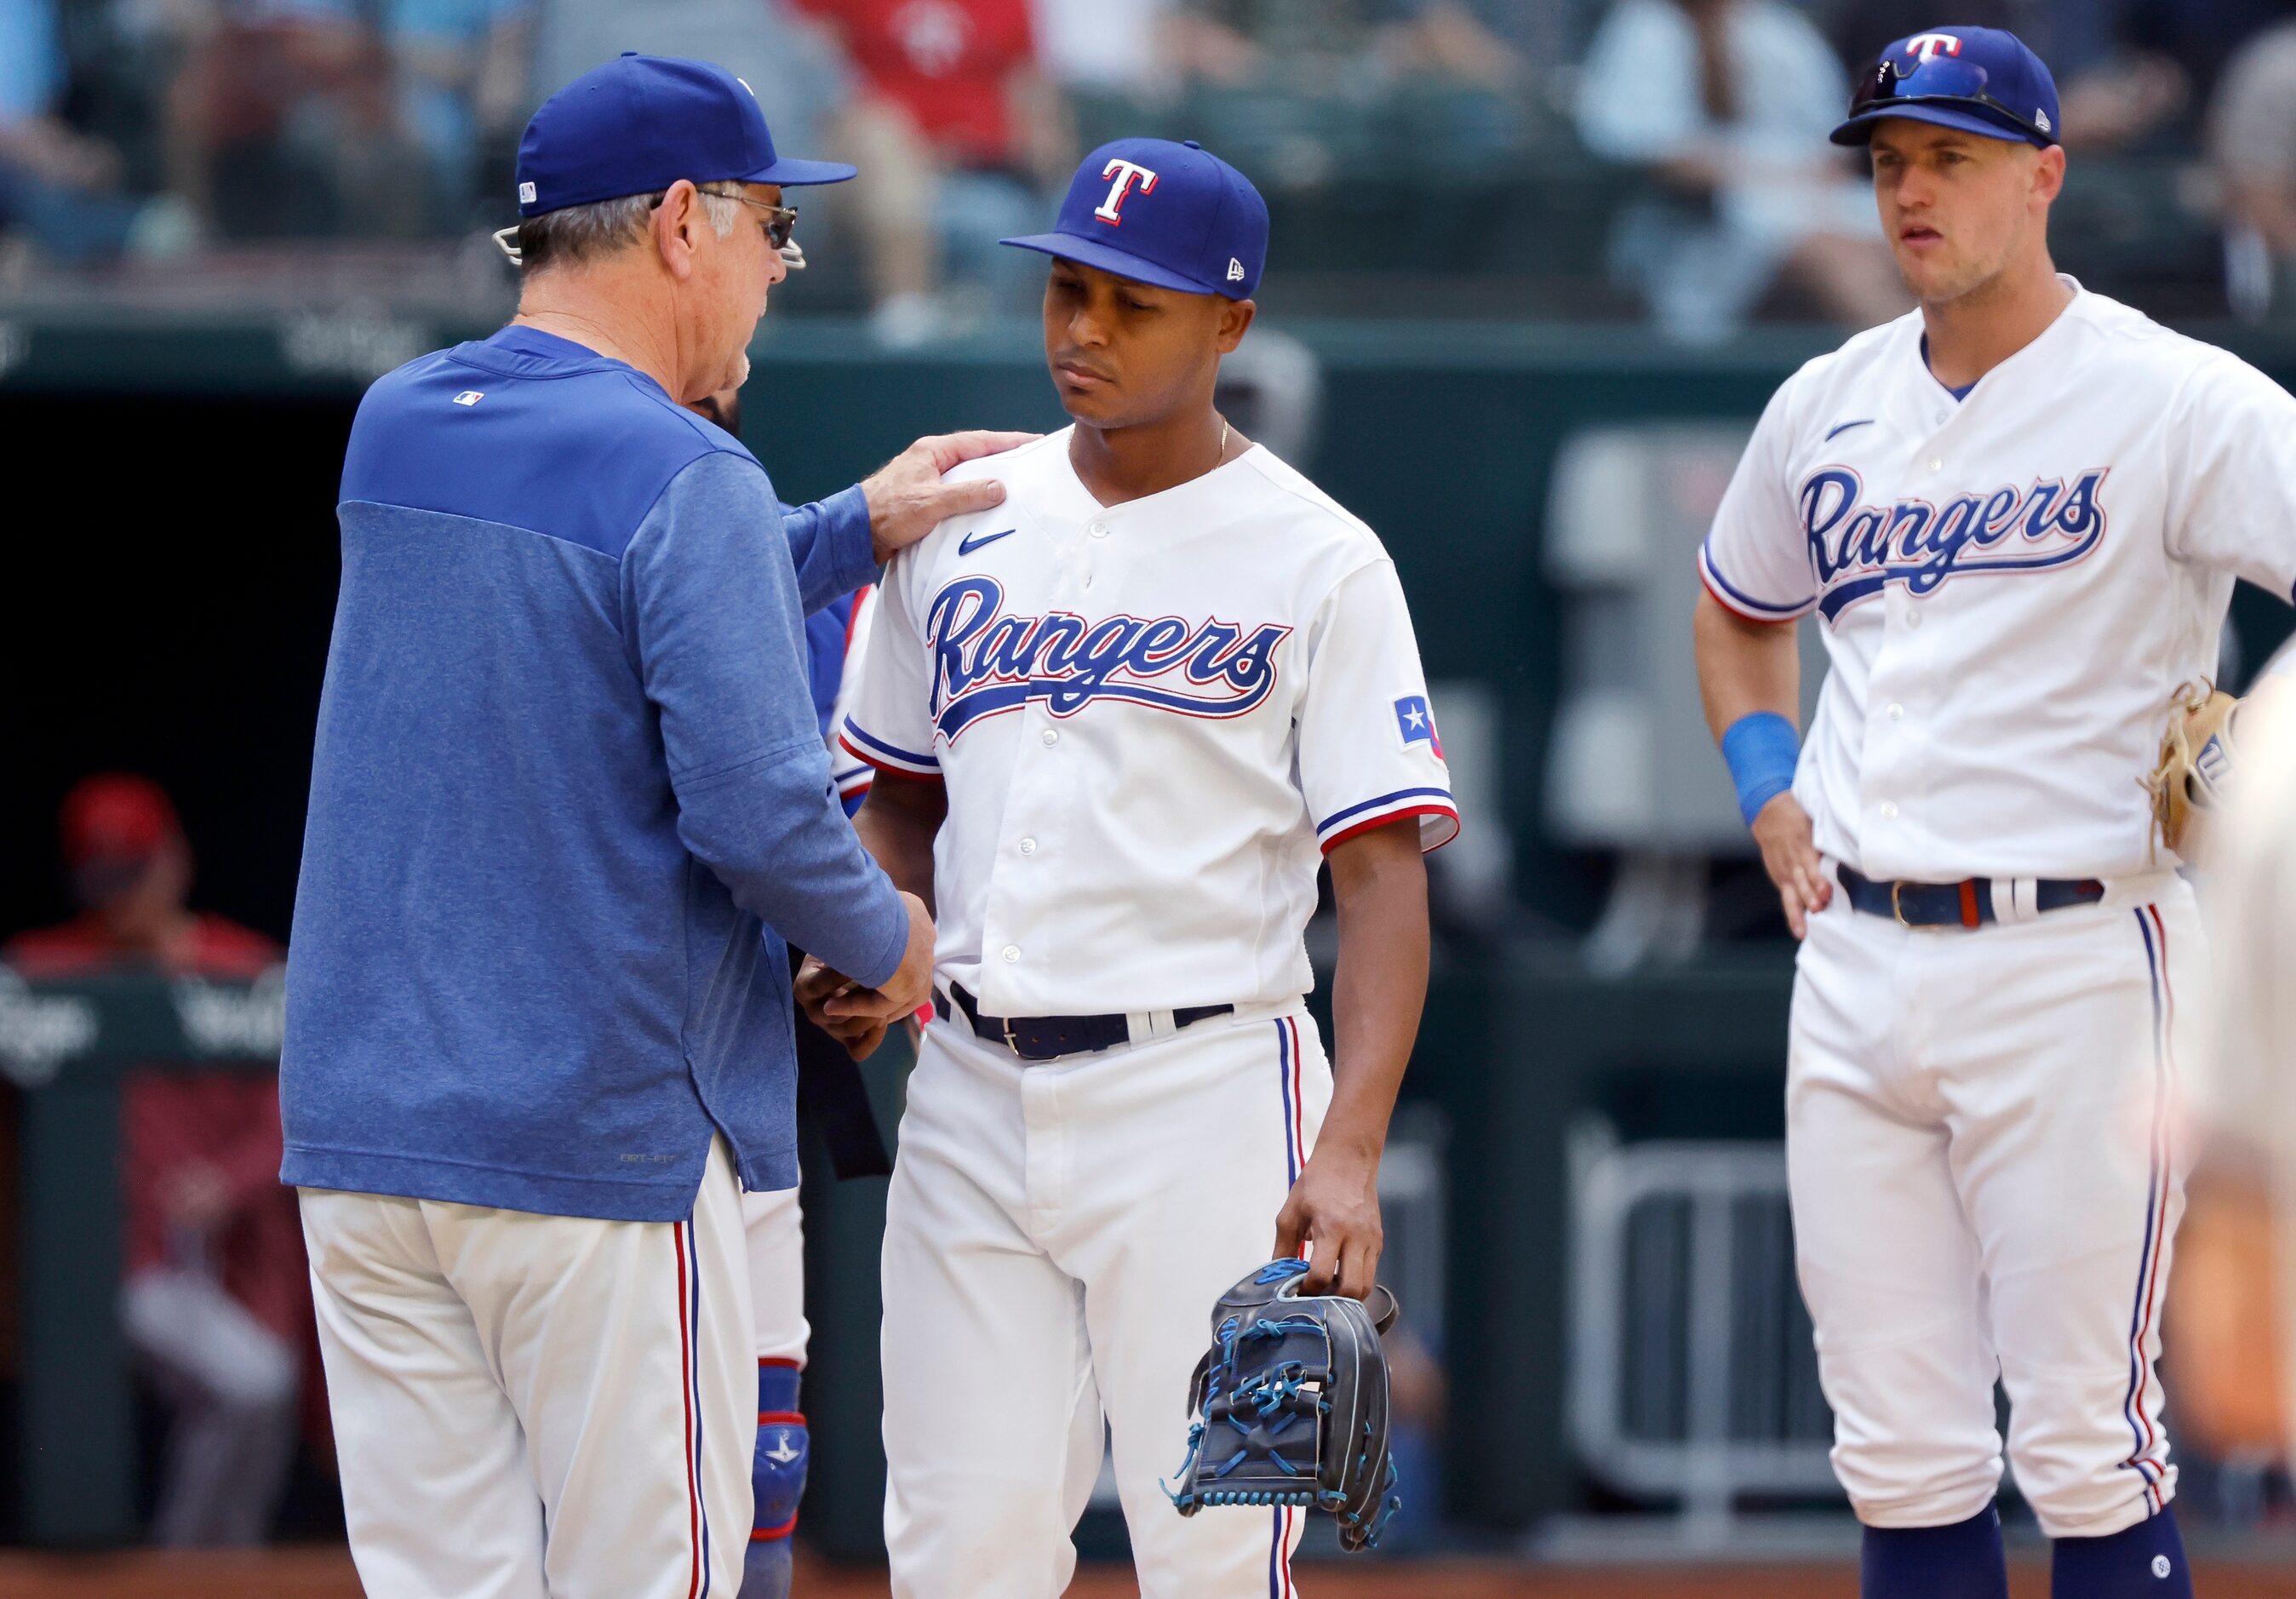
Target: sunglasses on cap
[{"x": 1941, "y": 80}]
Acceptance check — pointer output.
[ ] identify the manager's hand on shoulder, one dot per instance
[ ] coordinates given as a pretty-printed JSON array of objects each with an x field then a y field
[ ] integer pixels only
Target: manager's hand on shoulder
[{"x": 907, "y": 498}]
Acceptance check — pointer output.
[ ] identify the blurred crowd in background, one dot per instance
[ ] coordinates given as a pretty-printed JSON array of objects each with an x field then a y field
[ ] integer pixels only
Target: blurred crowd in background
[{"x": 1570, "y": 160}]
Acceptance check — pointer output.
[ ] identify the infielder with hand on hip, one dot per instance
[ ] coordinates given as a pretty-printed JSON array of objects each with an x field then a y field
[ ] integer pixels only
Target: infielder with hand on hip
[
  {"x": 2018, "y": 515},
  {"x": 567, "y": 798},
  {"x": 1118, "y": 722}
]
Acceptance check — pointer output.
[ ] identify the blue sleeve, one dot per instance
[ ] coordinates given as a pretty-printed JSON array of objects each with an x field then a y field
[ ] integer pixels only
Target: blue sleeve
[
  {"x": 712, "y": 611},
  {"x": 826, "y": 631},
  {"x": 830, "y": 543}
]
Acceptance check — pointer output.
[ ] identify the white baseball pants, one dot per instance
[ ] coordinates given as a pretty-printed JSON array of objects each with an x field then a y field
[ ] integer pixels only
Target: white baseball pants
[
  {"x": 232, "y": 1384},
  {"x": 1984, "y": 1183},
  {"x": 538, "y": 1407},
  {"x": 1054, "y": 1239},
  {"x": 773, "y": 1227}
]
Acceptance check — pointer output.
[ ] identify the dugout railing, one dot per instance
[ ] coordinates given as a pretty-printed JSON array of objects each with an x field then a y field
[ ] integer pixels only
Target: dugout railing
[
  {"x": 65, "y": 1046},
  {"x": 1692, "y": 1377}
]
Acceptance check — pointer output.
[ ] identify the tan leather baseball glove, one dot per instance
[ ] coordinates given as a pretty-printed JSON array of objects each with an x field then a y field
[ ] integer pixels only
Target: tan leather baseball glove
[{"x": 2197, "y": 766}]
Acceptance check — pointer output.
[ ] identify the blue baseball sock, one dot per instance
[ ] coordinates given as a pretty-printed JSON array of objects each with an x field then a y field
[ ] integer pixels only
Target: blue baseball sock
[
  {"x": 2144, "y": 1562},
  {"x": 1960, "y": 1562}
]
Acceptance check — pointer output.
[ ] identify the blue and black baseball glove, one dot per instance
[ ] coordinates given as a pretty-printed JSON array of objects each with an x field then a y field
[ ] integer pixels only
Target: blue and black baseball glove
[{"x": 1290, "y": 1405}]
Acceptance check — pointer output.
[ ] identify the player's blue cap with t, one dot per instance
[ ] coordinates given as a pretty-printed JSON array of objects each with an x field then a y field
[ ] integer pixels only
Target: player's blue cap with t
[
  {"x": 1980, "y": 80},
  {"x": 638, "y": 123},
  {"x": 1173, "y": 216}
]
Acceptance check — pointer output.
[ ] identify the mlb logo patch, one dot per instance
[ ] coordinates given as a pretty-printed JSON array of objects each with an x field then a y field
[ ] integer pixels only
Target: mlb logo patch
[
  {"x": 470, "y": 396},
  {"x": 1416, "y": 721}
]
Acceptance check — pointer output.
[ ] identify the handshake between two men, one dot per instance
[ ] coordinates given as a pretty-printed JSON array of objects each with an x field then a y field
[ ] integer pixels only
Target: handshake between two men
[{"x": 857, "y": 1017}]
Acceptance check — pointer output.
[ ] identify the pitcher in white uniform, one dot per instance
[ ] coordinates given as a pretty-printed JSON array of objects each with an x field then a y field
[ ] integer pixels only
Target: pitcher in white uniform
[
  {"x": 2018, "y": 515},
  {"x": 1118, "y": 724}
]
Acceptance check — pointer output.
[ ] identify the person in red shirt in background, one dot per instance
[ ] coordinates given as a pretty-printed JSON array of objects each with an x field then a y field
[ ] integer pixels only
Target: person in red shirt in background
[
  {"x": 216, "y": 1299},
  {"x": 962, "y": 138}
]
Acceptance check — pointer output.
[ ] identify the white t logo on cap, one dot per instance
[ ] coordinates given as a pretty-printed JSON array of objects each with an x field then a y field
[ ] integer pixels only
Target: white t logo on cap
[
  {"x": 1111, "y": 209},
  {"x": 1928, "y": 46}
]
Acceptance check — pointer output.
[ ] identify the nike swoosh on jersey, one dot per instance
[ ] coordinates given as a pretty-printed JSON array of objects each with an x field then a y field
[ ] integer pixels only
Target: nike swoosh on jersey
[
  {"x": 973, "y": 541},
  {"x": 1863, "y": 422}
]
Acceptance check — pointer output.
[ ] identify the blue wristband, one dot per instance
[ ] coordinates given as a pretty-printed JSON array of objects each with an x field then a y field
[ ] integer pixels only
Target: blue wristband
[{"x": 1760, "y": 748}]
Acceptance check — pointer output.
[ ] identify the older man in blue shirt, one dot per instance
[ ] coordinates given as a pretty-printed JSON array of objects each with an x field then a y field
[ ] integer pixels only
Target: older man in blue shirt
[{"x": 568, "y": 798}]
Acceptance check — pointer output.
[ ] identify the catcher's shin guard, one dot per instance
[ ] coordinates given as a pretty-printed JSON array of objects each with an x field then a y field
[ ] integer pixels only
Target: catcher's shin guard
[
  {"x": 778, "y": 1470},
  {"x": 1291, "y": 1406}
]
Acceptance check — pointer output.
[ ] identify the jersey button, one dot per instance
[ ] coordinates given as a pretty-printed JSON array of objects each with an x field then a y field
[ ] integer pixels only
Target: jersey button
[
  {"x": 1028, "y": 846},
  {"x": 1889, "y": 814},
  {"x": 1896, "y": 713},
  {"x": 1100, "y": 529},
  {"x": 1010, "y": 952},
  {"x": 1051, "y": 735},
  {"x": 1936, "y": 464},
  {"x": 1913, "y": 619}
]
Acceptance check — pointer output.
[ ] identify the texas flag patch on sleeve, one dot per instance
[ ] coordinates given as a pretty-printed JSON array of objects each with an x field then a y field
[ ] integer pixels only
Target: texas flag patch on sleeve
[{"x": 1416, "y": 721}]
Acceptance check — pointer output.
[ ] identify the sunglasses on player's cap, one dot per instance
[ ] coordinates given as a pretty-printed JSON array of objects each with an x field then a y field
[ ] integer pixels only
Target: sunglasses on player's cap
[{"x": 1980, "y": 80}]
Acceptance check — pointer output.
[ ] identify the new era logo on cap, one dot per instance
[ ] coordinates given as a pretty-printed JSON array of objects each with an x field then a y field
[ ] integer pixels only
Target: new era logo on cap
[
  {"x": 526, "y": 194},
  {"x": 1234, "y": 270}
]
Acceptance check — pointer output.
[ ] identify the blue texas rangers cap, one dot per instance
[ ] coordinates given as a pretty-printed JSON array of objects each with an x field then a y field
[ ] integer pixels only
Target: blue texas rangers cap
[
  {"x": 640, "y": 123},
  {"x": 1173, "y": 216},
  {"x": 1980, "y": 80}
]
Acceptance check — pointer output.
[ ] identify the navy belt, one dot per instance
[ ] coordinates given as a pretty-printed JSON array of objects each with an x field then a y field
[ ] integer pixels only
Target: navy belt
[
  {"x": 1968, "y": 903},
  {"x": 1049, "y": 1037}
]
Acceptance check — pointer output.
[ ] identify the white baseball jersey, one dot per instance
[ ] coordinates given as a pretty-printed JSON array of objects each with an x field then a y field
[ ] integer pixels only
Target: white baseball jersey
[
  {"x": 2012, "y": 587},
  {"x": 850, "y": 774},
  {"x": 1148, "y": 717}
]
